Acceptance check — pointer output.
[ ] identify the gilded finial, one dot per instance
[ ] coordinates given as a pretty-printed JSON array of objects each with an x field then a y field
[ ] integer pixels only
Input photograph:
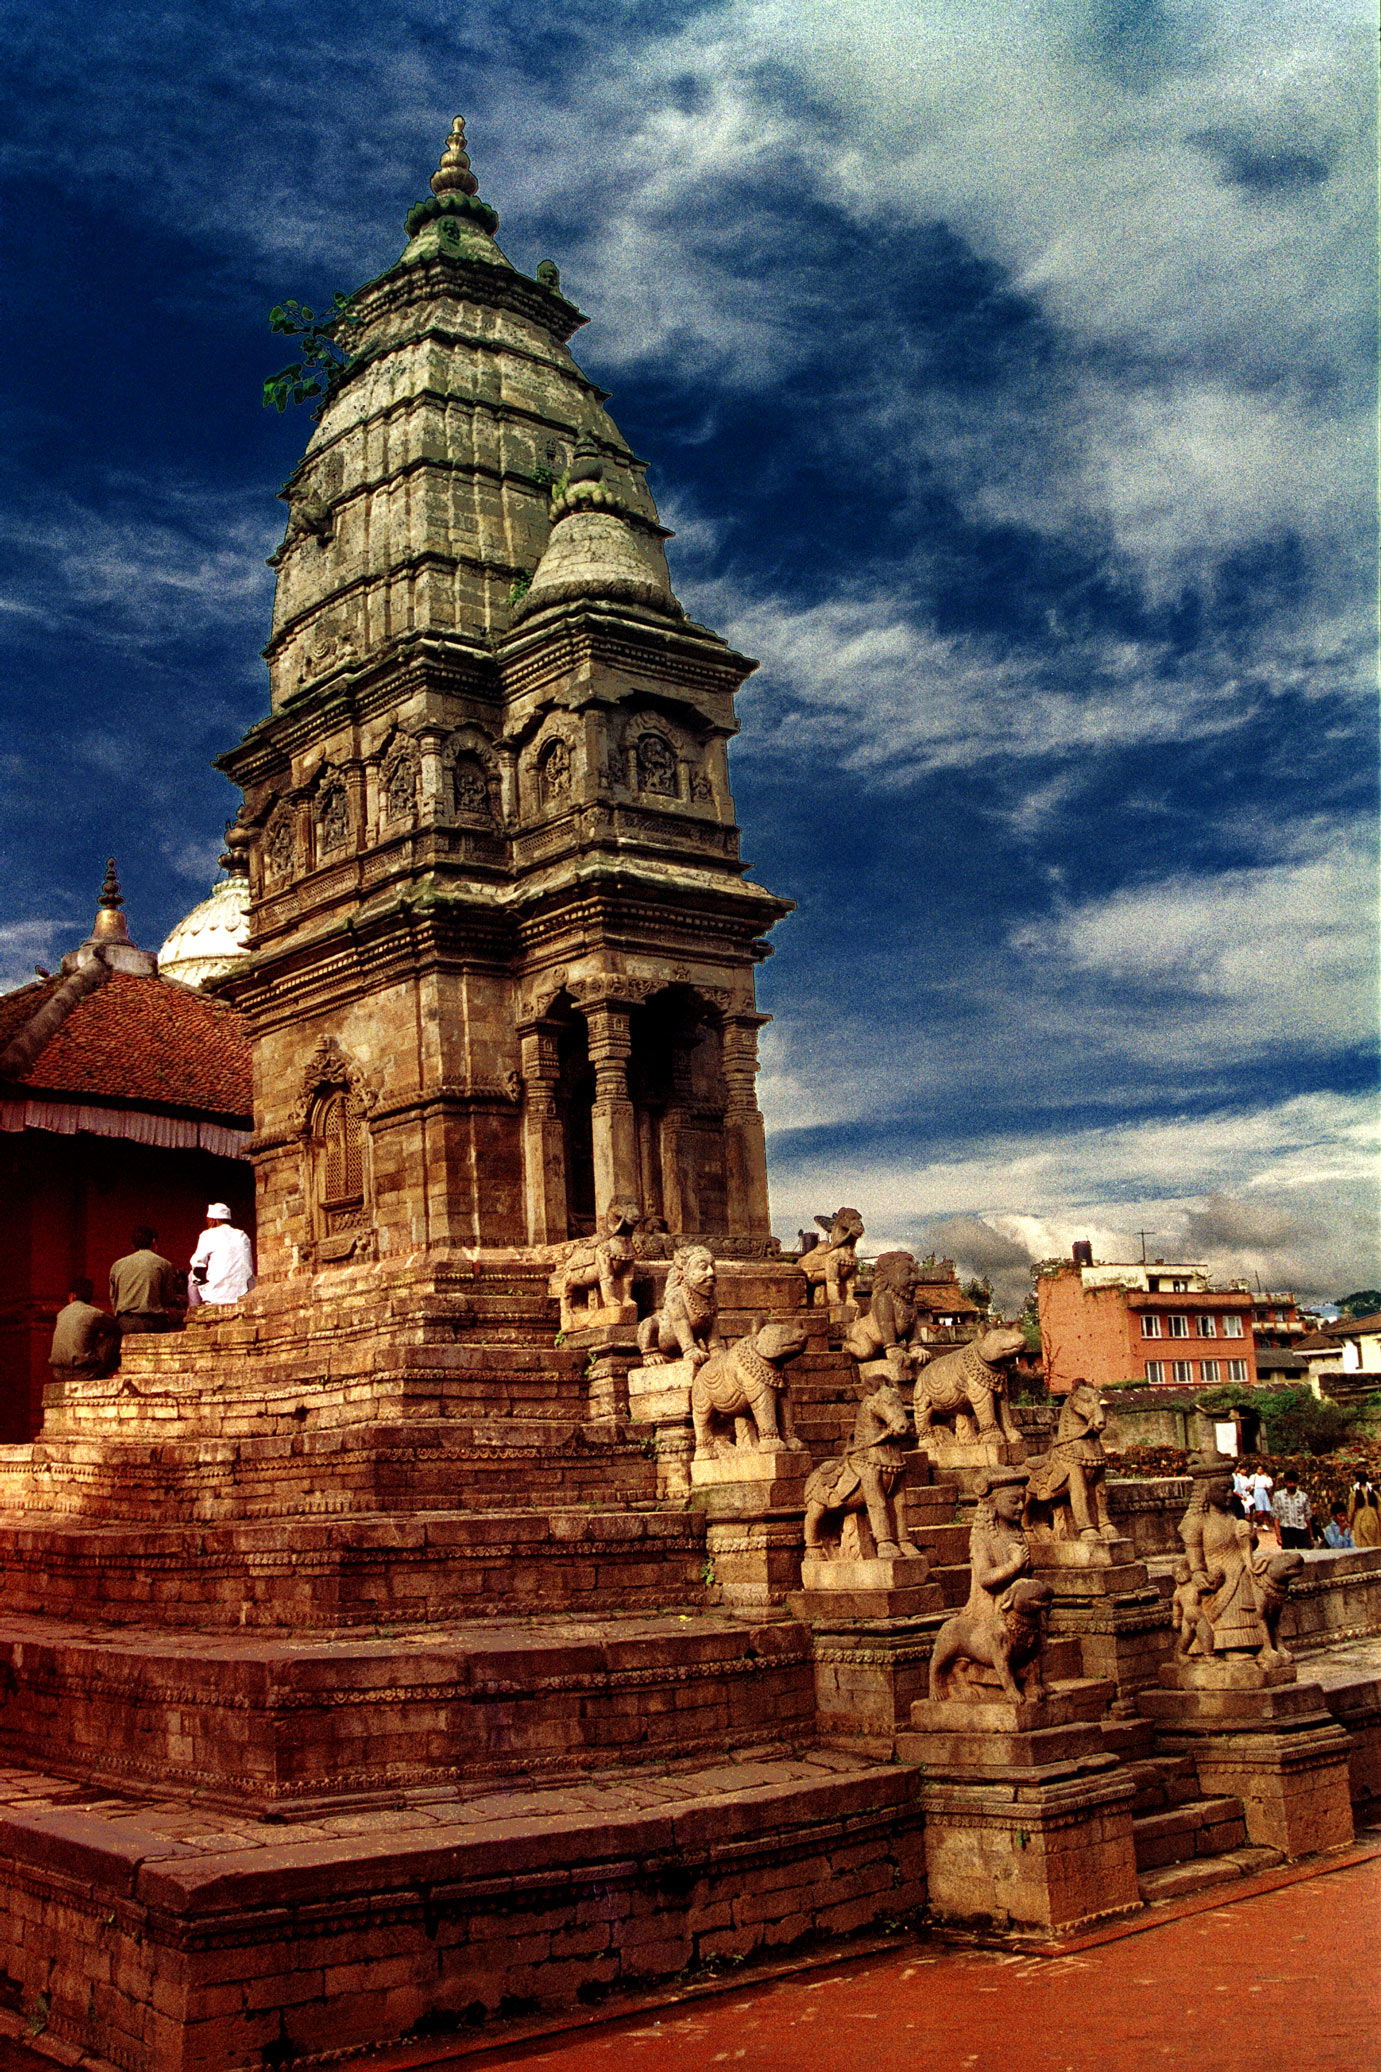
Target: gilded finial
[
  {"x": 110, "y": 925},
  {"x": 453, "y": 175}
]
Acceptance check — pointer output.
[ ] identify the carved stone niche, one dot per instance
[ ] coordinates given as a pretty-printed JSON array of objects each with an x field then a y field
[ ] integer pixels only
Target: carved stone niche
[
  {"x": 331, "y": 1121},
  {"x": 471, "y": 783},
  {"x": 280, "y": 844},
  {"x": 332, "y": 815},
  {"x": 654, "y": 760},
  {"x": 553, "y": 771},
  {"x": 398, "y": 782}
]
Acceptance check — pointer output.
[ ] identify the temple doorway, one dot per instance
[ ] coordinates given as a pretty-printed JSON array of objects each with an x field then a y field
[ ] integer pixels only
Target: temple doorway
[
  {"x": 676, "y": 1083},
  {"x": 575, "y": 1102}
]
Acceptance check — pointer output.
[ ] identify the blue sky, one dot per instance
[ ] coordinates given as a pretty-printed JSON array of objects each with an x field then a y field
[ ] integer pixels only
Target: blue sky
[{"x": 1008, "y": 376}]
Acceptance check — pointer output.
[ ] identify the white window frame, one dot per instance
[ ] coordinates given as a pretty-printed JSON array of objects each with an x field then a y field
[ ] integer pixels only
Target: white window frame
[
  {"x": 1237, "y": 1370},
  {"x": 1182, "y": 1372},
  {"x": 1150, "y": 1324},
  {"x": 1177, "y": 1325},
  {"x": 1155, "y": 1370},
  {"x": 1232, "y": 1326},
  {"x": 1212, "y": 1370},
  {"x": 1208, "y": 1327}
]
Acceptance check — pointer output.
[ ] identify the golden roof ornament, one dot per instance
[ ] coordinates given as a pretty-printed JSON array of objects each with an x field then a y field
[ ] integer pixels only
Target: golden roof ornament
[
  {"x": 453, "y": 175},
  {"x": 110, "y": 924}
]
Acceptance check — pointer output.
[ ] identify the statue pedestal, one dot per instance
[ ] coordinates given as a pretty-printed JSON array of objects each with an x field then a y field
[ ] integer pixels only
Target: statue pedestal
[
  {"x": 659, "y": 1396},
  {"x": 1028, "y": 1822},
  {"x": 1254, "y": 1733},
  {"x": 882, "y": 1587},
  {"x": 963, "y": 1460},
  {"x": 755, "y": 1507},
  {"x": 612, "y": 1346},
  {"x": 1105, "y": 1599}
]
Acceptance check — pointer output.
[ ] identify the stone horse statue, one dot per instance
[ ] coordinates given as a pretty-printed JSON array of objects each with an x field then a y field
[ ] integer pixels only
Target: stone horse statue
[{"x": 1067, "y": 1494}]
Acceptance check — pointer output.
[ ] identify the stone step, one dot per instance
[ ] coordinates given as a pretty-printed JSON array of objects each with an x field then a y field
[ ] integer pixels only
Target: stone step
[
  {"x": 1199, "y": 1827},
  {"x": 1161, "y": 1781},
  {"x": 1201, "y": 1873},
  {"x": 258, "y": 1721},
  {"x": 240, "y": 1943}
]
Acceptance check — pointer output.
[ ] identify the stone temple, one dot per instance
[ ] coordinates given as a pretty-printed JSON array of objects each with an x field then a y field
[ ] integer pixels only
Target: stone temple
[{"x": 532, "y": 1588}]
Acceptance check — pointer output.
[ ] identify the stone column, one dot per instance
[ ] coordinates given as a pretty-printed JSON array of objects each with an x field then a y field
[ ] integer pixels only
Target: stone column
[
  {"x": 544, "y": 1140},
  {"x": 745, "y": 1149},
  {"x": 615, "y": 1126}
]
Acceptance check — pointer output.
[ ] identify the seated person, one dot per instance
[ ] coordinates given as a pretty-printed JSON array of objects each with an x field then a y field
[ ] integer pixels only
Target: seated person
[
  {"x": 86, "y": 1342},
  {"x": 1336, "y": 1533}
]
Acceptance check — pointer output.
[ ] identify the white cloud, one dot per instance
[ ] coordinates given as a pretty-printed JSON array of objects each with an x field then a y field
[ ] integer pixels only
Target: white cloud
[
  {"x": 1306, "y": 1168},
  {"x": 23, "y": 944}
]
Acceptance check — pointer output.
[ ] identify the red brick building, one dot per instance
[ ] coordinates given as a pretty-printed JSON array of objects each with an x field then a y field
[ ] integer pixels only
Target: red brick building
[
  {"x": 1156, "y": 1322},
  {"x": 124, "y": 1099}
]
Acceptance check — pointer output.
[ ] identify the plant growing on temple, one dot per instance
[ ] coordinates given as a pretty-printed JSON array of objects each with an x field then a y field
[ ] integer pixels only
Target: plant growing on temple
[{"x": 324, "y": 359}]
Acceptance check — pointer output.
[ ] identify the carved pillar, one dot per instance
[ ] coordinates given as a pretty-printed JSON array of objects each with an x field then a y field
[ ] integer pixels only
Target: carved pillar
[
  {"x": 745, "y": 1147},
  {"x": 544, "y": 1141},
  {"x": 615, "y": 1126}
]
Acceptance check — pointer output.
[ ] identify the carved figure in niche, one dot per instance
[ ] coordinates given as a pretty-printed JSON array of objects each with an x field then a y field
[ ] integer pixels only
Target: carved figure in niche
[
  {"x": 1223, "y": 1561},
  {"x": 889, "y": 1330},
  {"x": 1003, "y": 1624},
  {"x": 969, "y": 1387},
  {"x": 1193, "y": 1634},
  {"x": 280, "y": 843},
  {"x": 745, "y": 1386},
  {"x": 852, "y": 1501},
  {"x": 554, "y": 773},
  {"x": 601, "y": 1269},
  {"x": 333, "y": 816},
  {"x": 1067, "y": 1487},
  {"x": 656, "y": 765},
  {"x": 470, "y": 787},
  {"x": 400, "y": 787},
  {"x": 831, "y": 1262},
  {"x": 701, "y": 789},
  {"x": 686, "y": 1327}
]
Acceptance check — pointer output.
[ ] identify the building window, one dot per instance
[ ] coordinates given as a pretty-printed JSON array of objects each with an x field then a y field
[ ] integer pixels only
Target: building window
[
  {"x": 1150, "y": 1326},
  {"x": 1237, "y": 1370},
  {"x": 1155, "y": 1370},
  {"x": 1208, "y": 1327},
  {"x": 1177, "y": 1327},
  {"x": 1179, "y": 1287},
  {"x": 1232, "y": 1327},
  {"x": 1212, "y": 1370},
  {"x": 656, "y": 761},
  {"x": 340, "y": 1152},
  {"x": 1182, "y": 1371}
]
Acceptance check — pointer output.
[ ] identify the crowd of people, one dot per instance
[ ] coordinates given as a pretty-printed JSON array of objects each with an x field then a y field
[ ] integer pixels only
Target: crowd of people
[
  {"x": 148, "y": 1293},
  {"x": 1288, "y": 1511}
]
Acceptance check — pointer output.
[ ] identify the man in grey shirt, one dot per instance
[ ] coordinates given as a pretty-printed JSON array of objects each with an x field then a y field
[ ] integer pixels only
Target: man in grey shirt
[
  {"x": 86, "y": 1341},
  {"x": 144, "y": 1290}
]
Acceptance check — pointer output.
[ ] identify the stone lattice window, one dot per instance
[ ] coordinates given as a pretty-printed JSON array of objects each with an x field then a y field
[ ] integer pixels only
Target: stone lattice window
[
  {"x": 554, "y": 773},
  {"x": 470, "y": 788},
  {"x": 656, "y": 760},
  {"x": 340, "y": 1164}
]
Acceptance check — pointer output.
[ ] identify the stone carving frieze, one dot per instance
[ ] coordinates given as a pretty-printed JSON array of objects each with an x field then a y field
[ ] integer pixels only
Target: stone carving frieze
[{"x": 329, "y": 1070}]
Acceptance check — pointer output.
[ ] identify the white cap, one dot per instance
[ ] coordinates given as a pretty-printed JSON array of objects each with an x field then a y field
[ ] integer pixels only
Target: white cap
[{"x": 218, "y": 1213}]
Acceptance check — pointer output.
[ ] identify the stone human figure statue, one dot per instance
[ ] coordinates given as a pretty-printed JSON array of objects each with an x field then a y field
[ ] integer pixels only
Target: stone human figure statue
[
  {"x": 864, "y": 1483},
  {"x": 1002, "y": 1626},
  {"x": 889, "y": 1331},
  {"x": 1223, "y": 1562},
  {"x": 686, "y": 1327},
  {"x": 1193, "y": 1634},
  {"x": 1067, "y": 1486}
]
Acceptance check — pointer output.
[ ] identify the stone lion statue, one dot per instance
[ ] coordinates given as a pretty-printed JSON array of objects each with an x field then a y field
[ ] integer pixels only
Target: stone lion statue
[
  {"x": 967, "y": 1390},
  {"x": 889, "y": 1330},
  {"x": 831, "y": 1262},
  {"x": 745, "y": 1389},
  {"x": 1010, "y": 1643},
  {"x": 1066, "y": 1488},
  {"x": 601, "y": 1269},
  {"x": 686, "y": 1327}
]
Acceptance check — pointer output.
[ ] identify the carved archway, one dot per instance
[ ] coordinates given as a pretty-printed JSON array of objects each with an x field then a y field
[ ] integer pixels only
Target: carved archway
[{"x": 332, "y": 1121}]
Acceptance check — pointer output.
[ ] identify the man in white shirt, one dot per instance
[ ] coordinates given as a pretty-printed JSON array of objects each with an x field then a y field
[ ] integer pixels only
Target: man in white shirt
[{"x": 223, "y": 1264}]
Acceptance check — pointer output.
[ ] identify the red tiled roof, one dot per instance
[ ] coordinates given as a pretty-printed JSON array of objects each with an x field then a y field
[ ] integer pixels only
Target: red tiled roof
[{"x": 148, "y": 1040}]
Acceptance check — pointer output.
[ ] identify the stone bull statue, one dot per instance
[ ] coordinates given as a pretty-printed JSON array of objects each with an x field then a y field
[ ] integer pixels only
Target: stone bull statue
[{"x": 966, "y": 1391}]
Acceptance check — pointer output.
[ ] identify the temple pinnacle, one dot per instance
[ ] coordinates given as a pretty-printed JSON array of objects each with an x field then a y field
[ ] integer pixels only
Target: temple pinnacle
[
  {"x": 110, "y": 924},
  {"x": 453, "y": 175}
]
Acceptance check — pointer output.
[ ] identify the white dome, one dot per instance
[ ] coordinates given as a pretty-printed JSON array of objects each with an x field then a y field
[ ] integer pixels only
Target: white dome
[{"x": 210, "y": 940}]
